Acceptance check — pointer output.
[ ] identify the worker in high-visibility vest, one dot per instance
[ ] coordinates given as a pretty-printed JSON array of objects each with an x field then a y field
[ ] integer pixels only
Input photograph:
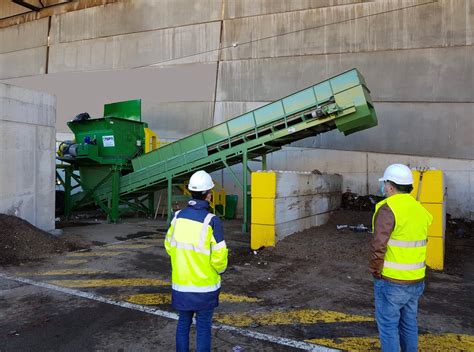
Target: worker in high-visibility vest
[
  {"x": 195, "y": 243},
  {"x": 397, "y": 262}
]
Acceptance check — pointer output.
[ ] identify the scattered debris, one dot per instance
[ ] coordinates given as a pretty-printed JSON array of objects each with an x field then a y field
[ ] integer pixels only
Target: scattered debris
[
  {"x": 353, "y": 201},
  {"x": 356, "y": 228}
]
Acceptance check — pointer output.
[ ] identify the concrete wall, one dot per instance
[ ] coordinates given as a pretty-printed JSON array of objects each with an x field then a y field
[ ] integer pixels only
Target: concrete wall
[
  {"x": 360, "y": 171},
  {"x": 286, "y": 202},
  {"x": 27, "y": 154},
  {"x": 198, "y": 63}
]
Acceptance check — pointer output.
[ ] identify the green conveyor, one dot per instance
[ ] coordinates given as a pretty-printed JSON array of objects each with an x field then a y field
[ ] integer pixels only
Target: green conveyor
[{"x": 341, "y": 102}]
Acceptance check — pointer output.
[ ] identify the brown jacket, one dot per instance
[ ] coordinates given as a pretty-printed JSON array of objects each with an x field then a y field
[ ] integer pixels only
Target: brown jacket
[{"x": 383, "y": 226}]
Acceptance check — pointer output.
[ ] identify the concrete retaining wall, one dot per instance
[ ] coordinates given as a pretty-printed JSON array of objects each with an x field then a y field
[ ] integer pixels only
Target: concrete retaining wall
[
  {"x": 360, "y": 172},
  {"x": 211, "y": 60},
  {"x": 27, "y": 154},
  {"x": 285, "y": 202}
]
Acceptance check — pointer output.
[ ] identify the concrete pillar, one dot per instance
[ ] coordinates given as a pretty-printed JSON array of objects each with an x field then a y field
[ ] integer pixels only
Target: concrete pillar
[{"x": 27, "y": 155}]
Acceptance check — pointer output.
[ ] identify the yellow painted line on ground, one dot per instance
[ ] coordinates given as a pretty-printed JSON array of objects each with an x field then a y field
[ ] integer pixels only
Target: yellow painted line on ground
[
  {"x": 152, "y": 241},
  {"x": 68, "y": 272},
  {"x": 129, "y": 246},
  {"x": 94, "y": 254},
  {"x": 109, "y": 282},
  {"x": 149, "y": 298},
  {"x": 427, "y": 342},
  {"x": 165, "y": 298},
  {"x": 227, "y": 297},
  {"x": 305, "y": 316},
  {"x": 75, "y": 261}
]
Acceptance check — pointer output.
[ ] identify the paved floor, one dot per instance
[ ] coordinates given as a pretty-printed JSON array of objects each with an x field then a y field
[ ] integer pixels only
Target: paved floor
[{"x": 116, "y": 297}]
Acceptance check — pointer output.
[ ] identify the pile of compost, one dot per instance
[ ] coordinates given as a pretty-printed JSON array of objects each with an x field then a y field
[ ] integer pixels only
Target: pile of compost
[{"x": 22, "y": 242}]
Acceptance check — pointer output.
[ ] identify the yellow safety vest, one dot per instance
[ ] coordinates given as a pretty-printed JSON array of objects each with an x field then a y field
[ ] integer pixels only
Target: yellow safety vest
[
  {"x": 196, "y": 258},
  {"x": 406, "y": 248}
]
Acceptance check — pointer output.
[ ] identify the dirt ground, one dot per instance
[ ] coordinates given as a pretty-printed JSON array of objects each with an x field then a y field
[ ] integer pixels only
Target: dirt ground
[
  {"x": 22, "y": 242},
  {"x": 321, "y": 268},
  {"x": 328, "y": 268}
]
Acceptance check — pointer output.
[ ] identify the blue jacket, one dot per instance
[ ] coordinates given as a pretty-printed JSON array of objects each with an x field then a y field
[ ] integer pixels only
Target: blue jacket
[{"x": 198, "y": 256}]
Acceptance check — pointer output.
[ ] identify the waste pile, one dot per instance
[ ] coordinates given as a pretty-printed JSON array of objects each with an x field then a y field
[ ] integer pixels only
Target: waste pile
[
  {"x": 353, "y": 201},
  {"x": 21, "y": 242}
]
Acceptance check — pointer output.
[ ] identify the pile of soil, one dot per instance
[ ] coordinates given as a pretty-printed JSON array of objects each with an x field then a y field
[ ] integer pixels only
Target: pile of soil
[{"x": 22, "y": 242}]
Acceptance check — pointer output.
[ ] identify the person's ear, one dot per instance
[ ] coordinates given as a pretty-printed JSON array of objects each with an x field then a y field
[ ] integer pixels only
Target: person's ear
[{"x": 390, "y": 188}]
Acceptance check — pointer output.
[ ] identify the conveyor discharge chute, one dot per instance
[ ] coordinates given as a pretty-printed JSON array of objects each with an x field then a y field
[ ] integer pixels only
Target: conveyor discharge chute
[{"x": 341, "y": 102}]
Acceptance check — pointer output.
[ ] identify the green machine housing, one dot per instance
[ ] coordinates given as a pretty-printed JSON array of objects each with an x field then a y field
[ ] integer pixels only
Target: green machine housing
[
  {"x": 103, "y": 147},
  {"x": 341, "y": 102}
]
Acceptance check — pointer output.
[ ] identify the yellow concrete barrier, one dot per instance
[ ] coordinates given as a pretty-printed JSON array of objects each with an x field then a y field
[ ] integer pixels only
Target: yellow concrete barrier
[
  {"x": 429, "y": 189},
  {"x": 285, "y": 202}
]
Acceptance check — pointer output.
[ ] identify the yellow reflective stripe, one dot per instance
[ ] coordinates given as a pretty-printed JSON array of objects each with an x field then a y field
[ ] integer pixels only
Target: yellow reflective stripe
[
  {"x": 205, "y": 224},
  {"x": 407, "y": 244},
  {"x": 183, "y": 288},
  {"x": 190, "y": 247},
  {"x": 220, "y": 245},
  {"x": 400, "y": 266}
]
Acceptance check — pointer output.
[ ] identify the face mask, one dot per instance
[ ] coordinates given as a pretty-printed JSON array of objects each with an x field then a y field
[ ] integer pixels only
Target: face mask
[{"x": 382, "y": 189}]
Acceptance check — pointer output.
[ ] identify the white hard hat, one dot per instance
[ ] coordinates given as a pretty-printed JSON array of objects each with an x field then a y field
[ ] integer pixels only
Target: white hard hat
[
  {"x": 200, "y": 181},
  {"x": 399, "y": 174}
]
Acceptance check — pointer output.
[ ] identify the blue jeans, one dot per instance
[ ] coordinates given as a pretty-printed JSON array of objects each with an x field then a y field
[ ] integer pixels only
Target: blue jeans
[
  {"x": 396, "y": 309},
  {"x": 203, "y": 330}
]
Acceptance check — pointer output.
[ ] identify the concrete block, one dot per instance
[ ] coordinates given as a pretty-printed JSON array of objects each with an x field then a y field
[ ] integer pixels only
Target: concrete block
[
  {"x": 438, "y": 226},
  {"x": 45, "y": 138},
  {"x": 269, "y": 235},
  {"x": 282, "y": 184},
  {"x": 141, "y": 15},
  {"x": 17, "y": 137},
  {"x": 45, "y": 171},
  {"x": 370, "y": 26},
  {"x": 291, "y": 184},
  {"x": 273, "y": 78},
  {"x": 429, "y": 186},
  {"x": 24, "y": 36},
  {"x": 294, "y": 208},
  {"x": 262, "y": 236},
  {"x": 287, "y": 202},
  {"x": 20, "y": 205},
  {"x": 45, "y": 207},
  {"x": 264, "y": 184},
  {"x": 33, "y": 62},
  {"x": 285, "y": 229},
  {"x": 25, "y": 106},
  {"x": 158, "y": 47},
  {"x": 430, "y": 132},
  {"x": 435, "y": 253},
  {"x": 16, "y": 175},
  {"x": 27, "y": 155},
  {"x": 245, "y": 8}
]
